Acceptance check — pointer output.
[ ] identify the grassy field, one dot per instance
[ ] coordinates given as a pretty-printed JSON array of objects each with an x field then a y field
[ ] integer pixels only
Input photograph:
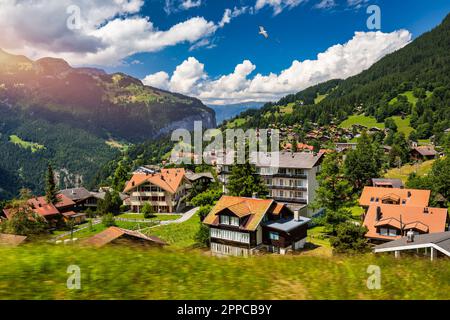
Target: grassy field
[
  {"x": 319, "y": 98},
  {"x": 89, "y": 232},
  {"x": 34, "y": 147},
  {"x": 403, "y": 125},
  {"x": 236, "y": 123},
  {"x": 178, "y": 235},
  {"x": 403, "y": 172},
  {"x": 39, "y": 272}
]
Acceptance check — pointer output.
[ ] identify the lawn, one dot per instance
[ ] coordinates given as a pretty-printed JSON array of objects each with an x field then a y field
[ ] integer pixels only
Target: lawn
[
  {"x": 402, "y": 173},
  {"x": 34, "y": 147},
  {"x": 158, "y": 217},
  {"x": 179, "y": 235},
  {"x": 97, "y": 228},
  {"x": 132, "y": 273}
]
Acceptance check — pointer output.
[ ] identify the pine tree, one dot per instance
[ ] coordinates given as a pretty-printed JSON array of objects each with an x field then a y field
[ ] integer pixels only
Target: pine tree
[
  {"x": 51, "y": 192},
  {"x": 363, "y": 163},
  {"x": 334, "y": 189},
  {"x": 244, "y": 182}
]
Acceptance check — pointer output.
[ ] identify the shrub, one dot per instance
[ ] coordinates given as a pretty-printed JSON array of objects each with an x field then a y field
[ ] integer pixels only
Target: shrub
[{"x": 108, "y": 220}]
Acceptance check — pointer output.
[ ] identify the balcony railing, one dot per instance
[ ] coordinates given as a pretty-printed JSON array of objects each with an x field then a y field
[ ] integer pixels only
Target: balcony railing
[
  {"x": 148, "y": 194},
  {"x": 285, "y": 175},
  {"x": 278, "y": 187},
  {"x": 287, "y": 199}
]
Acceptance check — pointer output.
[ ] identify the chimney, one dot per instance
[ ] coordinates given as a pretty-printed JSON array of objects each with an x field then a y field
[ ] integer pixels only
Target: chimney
[
  {"x": 410, "y": 236},
  {"x": 255, "y": 195},
  {"x": 379, "y": 214},
  {"x": 296, "y": 215},
  {"x": 409, "y": 194}
]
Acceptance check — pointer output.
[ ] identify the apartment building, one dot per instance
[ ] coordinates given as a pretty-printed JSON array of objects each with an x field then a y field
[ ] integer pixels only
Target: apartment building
[
  {"x": 164, "y": 190},
  {"x": 290, "y": 177}
]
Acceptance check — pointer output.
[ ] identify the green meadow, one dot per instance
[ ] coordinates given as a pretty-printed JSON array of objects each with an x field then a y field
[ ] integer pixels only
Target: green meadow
[
  {"x": 34, "y": 147},
  {"x": 40, "y": 272}
]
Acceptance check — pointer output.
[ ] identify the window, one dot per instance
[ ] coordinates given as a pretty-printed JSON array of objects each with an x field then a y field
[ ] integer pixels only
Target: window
[
  {"x": 274, "y": 236},
  {"x": 234, "y": 221},
  {"x": 224, "y": 220},
  {"x": 230, "y": 235}
]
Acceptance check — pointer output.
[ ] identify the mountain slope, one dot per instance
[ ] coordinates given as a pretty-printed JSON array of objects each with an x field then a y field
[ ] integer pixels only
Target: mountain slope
[
  {"x": 414, "y": 80},
  {"x": 51, "y": 112}
]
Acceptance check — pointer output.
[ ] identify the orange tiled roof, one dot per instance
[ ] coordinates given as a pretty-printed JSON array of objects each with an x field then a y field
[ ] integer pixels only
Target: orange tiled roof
[
  {"x": 168, "y": 180},
  {"x": 410, "y": 216},
  {"x": 103, "y": 238},
  {"x": 419, "y": 198},
  {"x": 11, "y": 239},
  {"x": 256, "y": 208}
]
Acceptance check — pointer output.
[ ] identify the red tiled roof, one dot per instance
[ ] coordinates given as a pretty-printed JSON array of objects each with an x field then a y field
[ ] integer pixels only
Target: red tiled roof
[{"x": 40, "y": 206}]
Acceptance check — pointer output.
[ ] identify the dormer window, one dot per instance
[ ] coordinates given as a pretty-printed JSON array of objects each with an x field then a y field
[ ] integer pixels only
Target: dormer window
[{"x": 231, "y": 221}]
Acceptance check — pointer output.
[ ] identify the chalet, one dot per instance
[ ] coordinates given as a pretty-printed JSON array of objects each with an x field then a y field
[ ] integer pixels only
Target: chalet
[
  {"x": 202, "y": 177},
  {"x": 243, "y": 226},
  {"x": 387, "y": 183},
  {"x": 82, "y": 198},
  {"x": 342, "y": 147},
  {"x": 118, "y": 236},
  {"x": 423, "y": 153},
  {"x": 387, "y": 222},
  {"x": 392, "y": 212},
  {"x": 165, "y": 190},
  {"x": 437, "y": 244},
  {"x": 290, "y": 177}
]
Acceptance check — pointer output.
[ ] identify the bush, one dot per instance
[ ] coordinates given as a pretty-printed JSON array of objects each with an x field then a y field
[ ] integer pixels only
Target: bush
[
  {"x": 350, "y": 238},
  {"x": 148, "y": 211},
  {"x": 108, "y": 220}
]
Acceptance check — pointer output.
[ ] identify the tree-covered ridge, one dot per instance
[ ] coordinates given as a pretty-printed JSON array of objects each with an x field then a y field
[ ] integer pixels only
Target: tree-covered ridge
[
  {"x": 411, "y": 81},
  {"x": 76, "y": 155},
  {"x": 104, "y": 104}
]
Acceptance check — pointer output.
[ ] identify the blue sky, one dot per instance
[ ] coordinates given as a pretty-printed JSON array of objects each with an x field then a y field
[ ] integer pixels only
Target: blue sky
[
  {"x": 211, "y": 49},
  {"x": 298, "y": 33}
]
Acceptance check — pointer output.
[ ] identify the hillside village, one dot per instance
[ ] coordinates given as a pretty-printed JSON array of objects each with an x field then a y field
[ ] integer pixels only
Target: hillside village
[{"x": 278, "y": 212}]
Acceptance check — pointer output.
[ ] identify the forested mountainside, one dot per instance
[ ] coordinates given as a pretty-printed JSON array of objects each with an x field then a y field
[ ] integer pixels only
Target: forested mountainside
[
  {"x": 78, "y": 119},
  {"x": 412, "y": 82}
]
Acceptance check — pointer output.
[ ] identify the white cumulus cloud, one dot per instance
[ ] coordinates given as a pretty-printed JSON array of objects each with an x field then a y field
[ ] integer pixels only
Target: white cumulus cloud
[
  {"x": 337, "y": 62},
  {"x": 110, "y": 30}
]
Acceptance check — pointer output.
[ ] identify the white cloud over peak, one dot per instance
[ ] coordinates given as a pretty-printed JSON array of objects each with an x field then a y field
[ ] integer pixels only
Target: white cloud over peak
[{"x": 339, "y": 61}]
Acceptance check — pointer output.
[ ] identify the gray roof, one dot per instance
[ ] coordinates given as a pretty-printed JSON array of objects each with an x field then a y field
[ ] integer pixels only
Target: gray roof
[
  {"x": 195, "y": 176},
  {"x": 296, "y": 160},
  {"x": 76, "y": 194},
  {"x": 287, "y": 225},
  {"x": 441, "y": 239},
  {"x": 101, "y": 195},
  {"x": 396, "y": 183}
]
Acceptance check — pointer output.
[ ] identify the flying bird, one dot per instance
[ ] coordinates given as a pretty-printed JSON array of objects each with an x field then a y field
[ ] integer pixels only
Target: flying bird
[{"x": 263, "y": 32}]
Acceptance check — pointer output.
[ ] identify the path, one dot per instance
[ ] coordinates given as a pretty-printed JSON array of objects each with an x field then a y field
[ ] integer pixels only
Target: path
[
  {"x": 94, "y": 222},
  {"x": 186, "y": 216}
]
